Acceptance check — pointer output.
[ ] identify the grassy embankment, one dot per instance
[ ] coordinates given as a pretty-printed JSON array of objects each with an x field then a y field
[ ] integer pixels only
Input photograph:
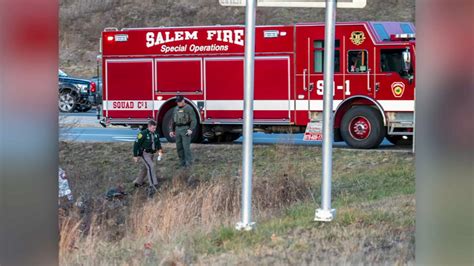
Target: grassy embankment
[{"x": 192, "y": 222}]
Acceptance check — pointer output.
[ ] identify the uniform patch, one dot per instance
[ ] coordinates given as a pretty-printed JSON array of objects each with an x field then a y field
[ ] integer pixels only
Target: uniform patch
[
  {"x": 398, "y": 88},
  {"x": 139, "y": 136}
]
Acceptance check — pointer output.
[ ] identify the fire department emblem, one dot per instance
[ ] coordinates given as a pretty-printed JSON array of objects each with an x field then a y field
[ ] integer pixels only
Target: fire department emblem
[
  {"x": 398, "y": 88},
  {"x": 357, "y": 37}
]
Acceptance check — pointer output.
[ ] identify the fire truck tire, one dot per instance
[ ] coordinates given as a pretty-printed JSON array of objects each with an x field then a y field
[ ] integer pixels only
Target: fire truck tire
[
  {"x": 362, "y": 127},
  {"x": 399, "y": 140},
  {"x": 165, "y": 128},
  {"x": 67, "y": 101}
]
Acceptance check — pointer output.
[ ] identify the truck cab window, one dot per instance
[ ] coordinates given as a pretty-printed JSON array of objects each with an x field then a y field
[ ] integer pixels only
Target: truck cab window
[
  {"x": 391, "y": 60},
  {"x": 357, "y": 61},
  {"x": 318, "y": 63}
]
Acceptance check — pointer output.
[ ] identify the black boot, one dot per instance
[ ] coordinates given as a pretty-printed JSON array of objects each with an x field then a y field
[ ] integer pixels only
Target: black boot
[
  {"x": 136, "y": 185},
  {"x": 151, "y": 191}
]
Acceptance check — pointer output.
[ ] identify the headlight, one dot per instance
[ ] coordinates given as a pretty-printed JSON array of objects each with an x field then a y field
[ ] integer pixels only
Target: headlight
[{"x": 82, "y": 87}]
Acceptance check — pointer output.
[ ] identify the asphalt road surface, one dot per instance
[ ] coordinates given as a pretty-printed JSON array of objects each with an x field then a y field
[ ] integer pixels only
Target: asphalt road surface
[{"x": 84, "y": 127}]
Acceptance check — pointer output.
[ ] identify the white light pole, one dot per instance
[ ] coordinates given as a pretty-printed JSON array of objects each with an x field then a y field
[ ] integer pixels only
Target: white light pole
[
  {"x": 325, "y": 213},
  {"x": 247, "y": 147}
]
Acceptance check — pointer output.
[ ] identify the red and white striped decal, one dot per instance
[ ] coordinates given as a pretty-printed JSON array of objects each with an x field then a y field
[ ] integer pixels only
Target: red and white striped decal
[{"x": 259, "y": 105}]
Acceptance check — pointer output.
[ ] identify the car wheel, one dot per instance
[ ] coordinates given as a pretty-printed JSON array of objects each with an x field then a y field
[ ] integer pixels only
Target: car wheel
[
  {"x": 67, "y": 102},
  {"x": 362, "y": 127}
]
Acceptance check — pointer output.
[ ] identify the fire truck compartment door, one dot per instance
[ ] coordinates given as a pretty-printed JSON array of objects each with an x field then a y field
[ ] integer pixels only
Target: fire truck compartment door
[
  {"x": 129, "y": 89},
  {"x": 224, "y": 89},
  {"x": 272, "y": 89},
  {"x": 179, "y": 75}
]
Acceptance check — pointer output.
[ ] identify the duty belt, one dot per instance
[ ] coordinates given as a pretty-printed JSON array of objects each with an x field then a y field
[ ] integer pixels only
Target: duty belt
[{"x": 182, "y": 125}]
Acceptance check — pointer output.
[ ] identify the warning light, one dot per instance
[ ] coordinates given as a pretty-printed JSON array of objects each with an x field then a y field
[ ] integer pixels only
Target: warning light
[
  {"x": 402, "y": 36},
  {"x": 93, "y": 87},
  {"x": 121, "y": 37},
  {"x": 110, "y": 38}
]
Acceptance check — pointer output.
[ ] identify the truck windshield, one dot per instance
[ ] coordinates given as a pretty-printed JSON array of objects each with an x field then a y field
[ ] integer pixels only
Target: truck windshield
[{"x": 391, "y": 60}]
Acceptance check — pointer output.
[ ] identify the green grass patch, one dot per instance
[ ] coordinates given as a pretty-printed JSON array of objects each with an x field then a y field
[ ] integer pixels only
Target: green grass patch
[{"x": 377, "y": 184}]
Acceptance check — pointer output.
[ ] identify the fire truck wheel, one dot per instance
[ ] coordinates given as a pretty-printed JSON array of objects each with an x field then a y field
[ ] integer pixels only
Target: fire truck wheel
[
  {"x": 362, "y": 127},
  {"x": 67, "y": 102},
  {"x": 165, "y": 128},
  {"x": 399, "y": 140}
]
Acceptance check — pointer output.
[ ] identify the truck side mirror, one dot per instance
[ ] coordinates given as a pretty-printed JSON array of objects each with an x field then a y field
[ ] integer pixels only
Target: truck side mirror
[{"x": 406, "y": 60}]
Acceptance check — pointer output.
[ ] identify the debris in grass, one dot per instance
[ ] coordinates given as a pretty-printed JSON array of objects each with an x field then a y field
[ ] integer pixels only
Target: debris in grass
[{"x": 116, "y": 193}]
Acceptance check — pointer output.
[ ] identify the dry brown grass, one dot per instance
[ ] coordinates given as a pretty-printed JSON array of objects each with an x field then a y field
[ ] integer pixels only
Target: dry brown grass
[
  {"x": 176, "y": 209},
  {"x": 211, "y": 204},
  {"x": 137, "y": 231},
  {"x": 70, "y": 234}
]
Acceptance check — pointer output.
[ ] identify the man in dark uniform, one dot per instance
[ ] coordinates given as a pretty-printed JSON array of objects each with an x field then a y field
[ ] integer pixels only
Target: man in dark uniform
[
  {"x": 182, "y": 125},
  {"x": 145, "y": 147}
]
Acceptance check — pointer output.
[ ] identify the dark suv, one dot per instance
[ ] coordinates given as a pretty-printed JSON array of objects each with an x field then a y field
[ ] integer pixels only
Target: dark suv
[{"x": 76, "y": 94}]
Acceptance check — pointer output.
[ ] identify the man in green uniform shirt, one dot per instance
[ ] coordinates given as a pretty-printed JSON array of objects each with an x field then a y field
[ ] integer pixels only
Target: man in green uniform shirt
[
  {"x": 182, "y": 125},
  {"x": 145, "y": 147}
]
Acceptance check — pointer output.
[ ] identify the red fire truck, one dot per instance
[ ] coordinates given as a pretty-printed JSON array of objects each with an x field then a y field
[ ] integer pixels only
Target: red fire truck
[{"x": 143, "y": 69}]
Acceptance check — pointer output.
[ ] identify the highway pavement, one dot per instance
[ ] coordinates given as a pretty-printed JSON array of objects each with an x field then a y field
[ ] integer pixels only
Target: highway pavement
[{"x": 84, "y": 127}]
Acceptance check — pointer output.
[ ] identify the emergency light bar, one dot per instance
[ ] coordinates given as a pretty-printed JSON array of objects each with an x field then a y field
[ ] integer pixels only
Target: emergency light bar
[
  {"x": 121, "y": 37},
  {"x": 111, "y": 29},
  {"x": 402, "y": 36},
  {"x": 118, "y": 38}
]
